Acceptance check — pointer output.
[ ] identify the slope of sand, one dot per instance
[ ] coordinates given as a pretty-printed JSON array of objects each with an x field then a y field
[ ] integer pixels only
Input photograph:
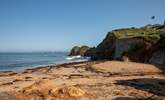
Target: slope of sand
[{"x": 94, "y": 80}]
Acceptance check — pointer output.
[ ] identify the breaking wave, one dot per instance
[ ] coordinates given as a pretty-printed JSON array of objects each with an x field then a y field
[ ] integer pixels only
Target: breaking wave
[{"x": 77, "y": 58}]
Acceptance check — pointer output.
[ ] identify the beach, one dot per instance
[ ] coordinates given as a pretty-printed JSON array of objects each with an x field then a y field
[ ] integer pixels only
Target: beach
[
  {"x": 89, "y": 80},
  {"x": 82, "y": 50}
]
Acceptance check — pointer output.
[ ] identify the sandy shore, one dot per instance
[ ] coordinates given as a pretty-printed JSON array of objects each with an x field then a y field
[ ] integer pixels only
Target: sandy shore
[{"x": 93, "y": 80}]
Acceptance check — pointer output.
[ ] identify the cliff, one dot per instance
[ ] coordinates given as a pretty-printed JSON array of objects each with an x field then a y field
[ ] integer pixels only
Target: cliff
[{"x": 145, "y": 44}]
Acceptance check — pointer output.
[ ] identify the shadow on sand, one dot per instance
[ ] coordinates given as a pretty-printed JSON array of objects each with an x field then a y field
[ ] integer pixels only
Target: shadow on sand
[
  {"x": 152, "y": 85},
  {"x": 129, "y": 98},
  {"x": 125, "y": 98}
]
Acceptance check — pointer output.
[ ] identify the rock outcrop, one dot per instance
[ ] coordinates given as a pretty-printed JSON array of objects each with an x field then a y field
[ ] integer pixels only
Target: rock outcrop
[
  {"x": 131, "y": 44},
  {"x": 47, "y": 90},
  {"x": 79, "y": 50}
]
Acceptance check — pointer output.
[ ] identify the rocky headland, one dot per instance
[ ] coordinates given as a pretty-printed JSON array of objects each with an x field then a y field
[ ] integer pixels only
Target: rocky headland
[{"x": 145, "y": 44}]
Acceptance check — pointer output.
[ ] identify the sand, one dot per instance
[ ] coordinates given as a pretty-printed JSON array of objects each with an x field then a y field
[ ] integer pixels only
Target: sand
[{"x": 92, "y": 80}]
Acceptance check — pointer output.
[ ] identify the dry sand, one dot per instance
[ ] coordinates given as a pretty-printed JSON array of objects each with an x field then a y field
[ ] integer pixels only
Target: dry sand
[{"x": 94, "y": 80}]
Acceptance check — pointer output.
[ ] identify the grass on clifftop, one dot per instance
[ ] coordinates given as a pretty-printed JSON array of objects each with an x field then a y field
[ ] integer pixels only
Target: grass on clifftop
[{"x": 151, "y": 35}]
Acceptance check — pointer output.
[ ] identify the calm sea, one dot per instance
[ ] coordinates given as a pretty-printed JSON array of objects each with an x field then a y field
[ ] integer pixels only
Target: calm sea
[{"x": 20, "y": 61}]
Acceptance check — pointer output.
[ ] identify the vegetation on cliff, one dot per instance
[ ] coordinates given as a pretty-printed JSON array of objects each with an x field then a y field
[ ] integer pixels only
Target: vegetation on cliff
[{"x": 151, "y": 35}]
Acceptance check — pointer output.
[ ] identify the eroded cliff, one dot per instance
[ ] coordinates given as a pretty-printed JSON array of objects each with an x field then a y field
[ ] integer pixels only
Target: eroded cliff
[{"x": 145, "y": 44}]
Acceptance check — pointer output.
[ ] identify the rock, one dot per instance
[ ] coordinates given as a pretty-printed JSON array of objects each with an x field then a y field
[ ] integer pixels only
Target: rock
[
  {"x": 7, "y": 73},
  {"x": 18, "y": 80},
  {"x": 126, "y": 59},
  {"x": 78, "y": 50},
  {"x": 132, "y": 48},
  {"x": 158, "y": 52},
  {"x": 74, "y": 51},
  {"x": 104, "y": 50},
  {"x": 42, "y": 86},
  {"x": 5, "y": 96},
  {"x": 7, "y": 83},
  {"x": 47, "y": 90},
  {"x": 158, "y": 57},
  {"x": 68, "y": 90},
  {"x": 74, "y": 91}
]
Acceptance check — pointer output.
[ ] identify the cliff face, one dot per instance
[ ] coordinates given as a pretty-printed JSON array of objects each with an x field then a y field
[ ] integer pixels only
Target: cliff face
[
  {"x": 158, "y": 52},
  {"x": 104, "y": 50},
  {"x": 158, "y": 57},
  {"x": 132, "y": 44},
  {"x": 132, "y": 48}
]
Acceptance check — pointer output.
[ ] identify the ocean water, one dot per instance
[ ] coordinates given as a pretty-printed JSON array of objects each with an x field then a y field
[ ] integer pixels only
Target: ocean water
[{"x": 21, "y": 61}]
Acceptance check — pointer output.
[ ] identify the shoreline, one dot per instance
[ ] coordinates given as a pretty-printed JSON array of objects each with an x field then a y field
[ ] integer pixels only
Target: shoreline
[
  {"x": 90, "y": 80},
  {"x": 21, "y": 69}
]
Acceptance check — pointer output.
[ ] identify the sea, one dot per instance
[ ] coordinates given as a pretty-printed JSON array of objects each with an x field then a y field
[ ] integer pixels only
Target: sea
[{"x": 24, "y": 60}]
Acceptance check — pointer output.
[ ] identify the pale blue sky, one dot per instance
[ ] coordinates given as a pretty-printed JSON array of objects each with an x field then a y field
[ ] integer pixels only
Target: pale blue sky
[{"x": 58, "y": 25}]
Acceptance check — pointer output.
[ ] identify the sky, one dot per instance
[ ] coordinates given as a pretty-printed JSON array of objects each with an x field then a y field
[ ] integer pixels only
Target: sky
[{"x": 58, "y": 25}]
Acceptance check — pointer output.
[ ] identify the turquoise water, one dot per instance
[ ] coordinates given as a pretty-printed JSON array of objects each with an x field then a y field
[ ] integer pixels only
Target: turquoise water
[{"x": 20, "y": 61}]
